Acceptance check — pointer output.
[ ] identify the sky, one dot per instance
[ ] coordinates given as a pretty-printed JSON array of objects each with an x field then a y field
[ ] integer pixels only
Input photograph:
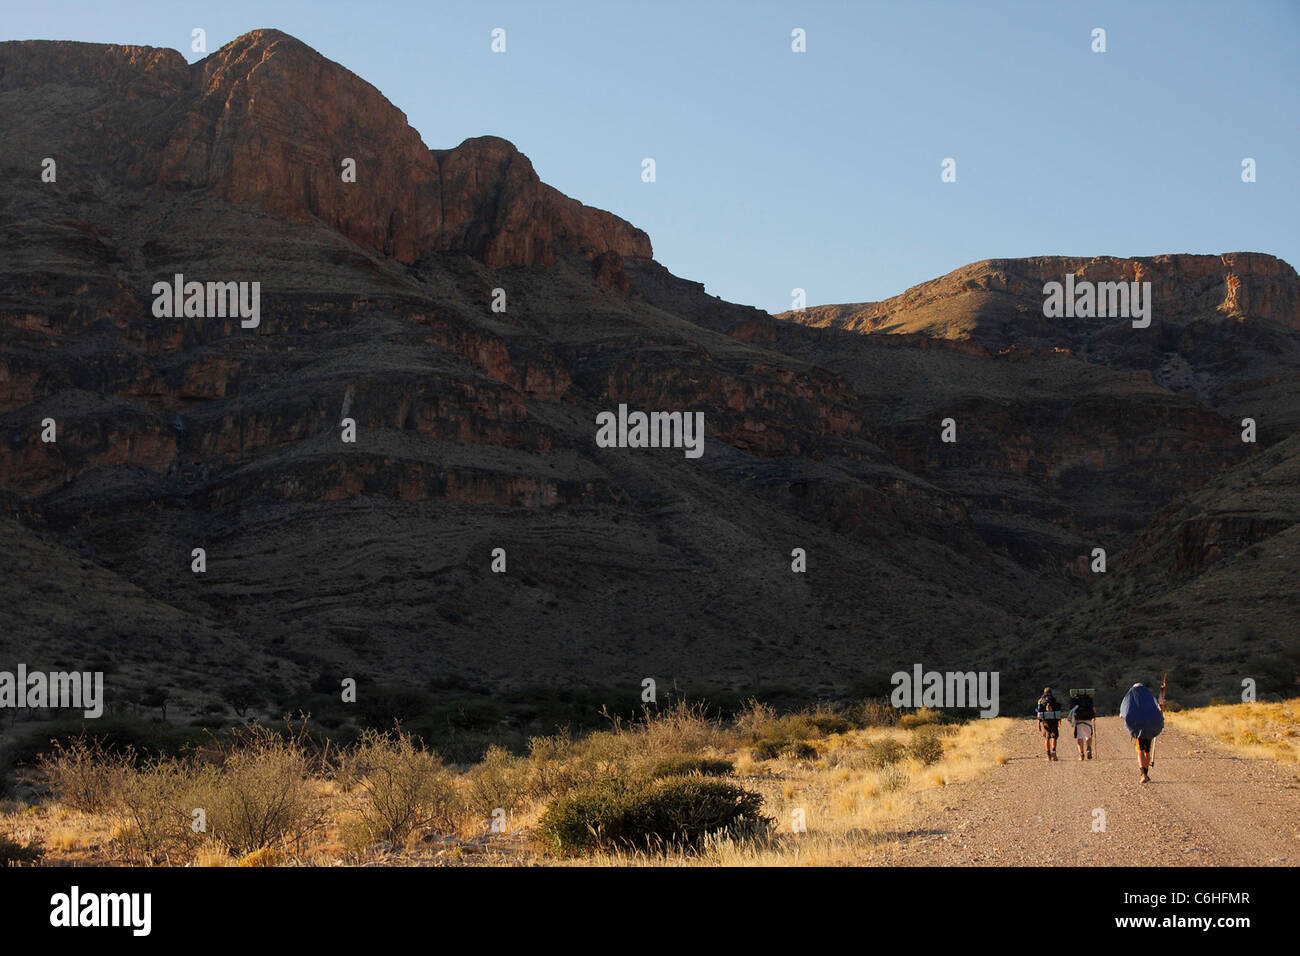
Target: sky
[{"x": 821, "y": 170}]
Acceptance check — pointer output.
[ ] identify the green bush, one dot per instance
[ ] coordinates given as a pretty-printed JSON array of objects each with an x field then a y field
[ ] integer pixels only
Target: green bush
[
  {"x": 926, "y": 748},
  {"x": 685, "y": 765},
  {"x": 671, "y": 813}
]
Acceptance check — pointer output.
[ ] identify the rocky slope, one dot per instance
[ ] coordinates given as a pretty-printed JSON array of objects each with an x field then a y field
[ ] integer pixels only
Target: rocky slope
[
  {"x": 1222, "y": 327},
  {"x": 266, "y": 121},
  {"x": 1000, "y": 301},
  {"x": 1205, "y": 579},
  {"x": 1207, "y": 591},
  {"x": 475, "y": 428}
]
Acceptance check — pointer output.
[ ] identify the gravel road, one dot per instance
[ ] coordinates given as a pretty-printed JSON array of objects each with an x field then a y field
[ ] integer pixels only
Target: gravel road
[{"x": 1204, "y": 806}]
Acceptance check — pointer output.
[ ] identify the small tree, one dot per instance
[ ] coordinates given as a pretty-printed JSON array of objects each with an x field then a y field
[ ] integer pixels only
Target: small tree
[
  {"x": 242, "y": 697},
  {"x": 155, "y": 698}
]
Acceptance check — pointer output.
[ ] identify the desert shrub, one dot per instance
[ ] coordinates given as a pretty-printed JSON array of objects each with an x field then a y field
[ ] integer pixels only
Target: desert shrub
[
  {"x": 800, "y": 750},
  {"x": 875, "y": 713},
  {"x": 684, "y": 728},
  {"x": 768, "y": 749},
  {"x": 883, "y": 753},
  {"x": 927, "y": 748},
  {"x": 920, "y": 718},
  {"x": 684, "y": 765},
  {"x": 406, "y": 787},
  {"x": 13, "y": 853},
  {"x": 604, "y": 751},
  {"x": 550, "y": 750},
  {"x": 261, "y": 794},
  {"x": 755, "y": 720},
  {"x": 586, "y": 821},
  {"x": 153, "y": 806},
  {"x": 114, "y": 735},
  {"x": 678, "y": 812},
  {"x": 500, "y": 780},
  {"x": 83, "y": 773},
  {"x": 771, "y": 735},
  {"x": 891, "y": 777},
  {"x": 554, "y": 766},
  {"x": 827, "y": 721}
]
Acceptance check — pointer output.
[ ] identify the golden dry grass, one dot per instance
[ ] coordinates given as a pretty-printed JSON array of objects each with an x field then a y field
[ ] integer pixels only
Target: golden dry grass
[
  {"x": 850, "y": 812},
  {"x": 834, "y": 798},
  {"x": 1261, "y": 729}
]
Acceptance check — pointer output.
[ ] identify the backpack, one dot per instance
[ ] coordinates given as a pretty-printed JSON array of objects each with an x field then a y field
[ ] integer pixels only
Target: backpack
[
  {"x": 1085, "y": 709},
  {"x": 1047, "y": 704},
  {"x": 1141, "y": 714}
]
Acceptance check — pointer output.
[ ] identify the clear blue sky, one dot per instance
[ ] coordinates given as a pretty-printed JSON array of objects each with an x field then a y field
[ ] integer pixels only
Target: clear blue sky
[{"x": 821, "y": 170}]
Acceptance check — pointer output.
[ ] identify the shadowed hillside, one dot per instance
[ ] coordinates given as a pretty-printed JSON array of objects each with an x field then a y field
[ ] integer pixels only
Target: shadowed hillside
[{"x": 475, "y": 426}]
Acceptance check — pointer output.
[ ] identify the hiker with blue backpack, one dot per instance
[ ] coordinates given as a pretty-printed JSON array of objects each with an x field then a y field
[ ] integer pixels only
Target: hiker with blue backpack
[{"x": 1144, "y": 717}]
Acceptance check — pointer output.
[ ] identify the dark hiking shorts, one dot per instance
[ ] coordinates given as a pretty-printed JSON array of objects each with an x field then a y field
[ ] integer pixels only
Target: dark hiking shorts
[
  {"x": 1144, "y": 745},
  {"x": 1052, "y": 728}
]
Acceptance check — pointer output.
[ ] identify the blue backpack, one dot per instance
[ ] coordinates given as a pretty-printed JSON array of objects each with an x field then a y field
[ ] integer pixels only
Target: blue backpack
[{"x": 1141, "y": 713}]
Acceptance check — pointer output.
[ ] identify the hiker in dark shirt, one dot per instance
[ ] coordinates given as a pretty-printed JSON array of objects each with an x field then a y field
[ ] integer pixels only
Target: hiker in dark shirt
[
  {"x": 1082, "y": 714},
  {"x": 1049, "y": 721}
]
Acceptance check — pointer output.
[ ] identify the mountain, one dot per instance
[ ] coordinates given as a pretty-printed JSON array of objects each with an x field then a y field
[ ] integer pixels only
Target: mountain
[
  {"x": 1208, "y": 588},
  {"x": 269, "y": 122},
  {"x": 475, "y": 428},
  {"x": 1205, "y": 581},
  {"x": 1222, "y": 327}
]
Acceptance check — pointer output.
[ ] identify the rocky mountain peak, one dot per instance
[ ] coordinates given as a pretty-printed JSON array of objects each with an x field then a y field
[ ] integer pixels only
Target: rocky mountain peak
[{"x": 268, "y": 121}]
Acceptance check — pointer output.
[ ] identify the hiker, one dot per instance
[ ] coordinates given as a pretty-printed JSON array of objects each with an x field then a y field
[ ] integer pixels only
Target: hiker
[
  {"x": 1049, "y": 721},
  {"x": 1082, "y": 713},
  {"x": 1144, "y": 717}
]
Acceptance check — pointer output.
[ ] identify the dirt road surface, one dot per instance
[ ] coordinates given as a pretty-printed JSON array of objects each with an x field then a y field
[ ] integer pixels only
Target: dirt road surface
[{"x": 1204, "y": 806}]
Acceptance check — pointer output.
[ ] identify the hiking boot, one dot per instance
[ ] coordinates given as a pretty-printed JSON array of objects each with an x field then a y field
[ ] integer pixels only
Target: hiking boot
[
  {"x": 1089, "y": 753},
  {"x": 1145, "y": 777},
  {"x": 1080, "y": 754}
]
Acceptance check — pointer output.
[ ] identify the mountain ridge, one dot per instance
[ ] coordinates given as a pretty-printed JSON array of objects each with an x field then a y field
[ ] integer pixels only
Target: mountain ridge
[
  {"x": 228, "y": 123},
  {"x": 475, "y": 427}
]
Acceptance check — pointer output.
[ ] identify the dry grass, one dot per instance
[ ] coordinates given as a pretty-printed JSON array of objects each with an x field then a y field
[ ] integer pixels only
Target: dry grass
[
  {"x": 1262, "y": 729},
  {"x": 850, "y": 810},
  {"x": 838, "y": 796}
]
